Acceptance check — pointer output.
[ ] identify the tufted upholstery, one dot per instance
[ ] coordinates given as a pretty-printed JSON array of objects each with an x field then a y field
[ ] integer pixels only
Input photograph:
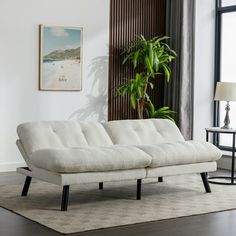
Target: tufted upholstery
[
  {"x": 90, "y": 159},
  {"x": 181, "y": 153},
  {"x": 60, "y": 134},
  {"x": 75, "y": 147},
  {"x": 149, "y": 131},
  {"x": 71, "y": 152}
]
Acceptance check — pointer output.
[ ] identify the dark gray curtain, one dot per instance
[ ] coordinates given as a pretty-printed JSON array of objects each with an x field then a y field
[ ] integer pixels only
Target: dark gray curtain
[{"x": 179, "y": 91}]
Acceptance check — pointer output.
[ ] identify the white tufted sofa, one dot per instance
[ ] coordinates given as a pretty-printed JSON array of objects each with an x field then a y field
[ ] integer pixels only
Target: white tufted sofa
[{"x": 70, "y": 152}]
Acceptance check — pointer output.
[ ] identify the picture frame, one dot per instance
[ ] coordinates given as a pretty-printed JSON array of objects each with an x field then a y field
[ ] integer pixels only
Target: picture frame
[{"x": 60, "y": 58}]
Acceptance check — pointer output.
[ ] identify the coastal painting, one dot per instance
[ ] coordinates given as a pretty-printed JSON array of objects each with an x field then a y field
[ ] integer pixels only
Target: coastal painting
[{"x": 60, "y": 58}]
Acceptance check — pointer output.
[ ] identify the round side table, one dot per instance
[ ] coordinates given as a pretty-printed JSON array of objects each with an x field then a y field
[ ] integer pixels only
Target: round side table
[{"x": 218, "y": 130}]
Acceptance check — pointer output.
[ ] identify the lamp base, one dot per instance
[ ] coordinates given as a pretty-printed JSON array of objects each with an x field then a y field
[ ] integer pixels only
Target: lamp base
[
  {"x": 226, "y": 120},
  {"x": 226, "y": 127}
]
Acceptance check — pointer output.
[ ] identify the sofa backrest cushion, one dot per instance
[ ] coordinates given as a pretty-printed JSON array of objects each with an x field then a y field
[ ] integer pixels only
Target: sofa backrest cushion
[
  {"x": 59, "y": 134},
  {"x": 71, "y": 134},
  {"x": 148, "y": 131}
]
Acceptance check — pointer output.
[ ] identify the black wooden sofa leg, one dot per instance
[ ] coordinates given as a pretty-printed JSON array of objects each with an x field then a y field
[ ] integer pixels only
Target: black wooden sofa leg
[
  {"x": 26, "y": 186},
  {"x": 205, "y": 182},
  {"x": 160, "y": 179},
  {"x": 65, "y": 198},
  {"x": 101, "y": 185},
  {"x": 139, "y": 184}
]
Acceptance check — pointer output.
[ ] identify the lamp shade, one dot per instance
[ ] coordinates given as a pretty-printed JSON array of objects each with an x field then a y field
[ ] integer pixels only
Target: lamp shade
[{"x": 225, "y": 91}]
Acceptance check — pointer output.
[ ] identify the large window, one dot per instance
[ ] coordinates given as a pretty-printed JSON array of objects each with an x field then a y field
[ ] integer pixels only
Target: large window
[
  {"x": 225, "y": 64},
  {"x": 226, "y": 3}
]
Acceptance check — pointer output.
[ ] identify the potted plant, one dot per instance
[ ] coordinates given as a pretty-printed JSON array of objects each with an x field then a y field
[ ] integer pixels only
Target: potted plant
[{"x": 152, "y": 58}]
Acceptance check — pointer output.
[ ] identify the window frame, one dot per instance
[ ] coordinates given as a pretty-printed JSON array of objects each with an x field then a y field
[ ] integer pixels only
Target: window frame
[{"x": 219, "y": 11}]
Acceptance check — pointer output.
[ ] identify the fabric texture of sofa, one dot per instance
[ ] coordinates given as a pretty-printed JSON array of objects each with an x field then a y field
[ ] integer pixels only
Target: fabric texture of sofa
[{"x": 73, "y": 152}]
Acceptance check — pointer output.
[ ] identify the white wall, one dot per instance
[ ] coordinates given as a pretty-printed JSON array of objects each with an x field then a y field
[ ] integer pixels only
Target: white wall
[
  {"x": 204, "y": 67},
  {"x": 20, "y": 100}
]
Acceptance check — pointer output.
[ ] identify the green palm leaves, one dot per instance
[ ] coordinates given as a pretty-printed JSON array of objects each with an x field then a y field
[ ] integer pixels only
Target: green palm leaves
[
  {"x": 161, "y": 113},
  {"x": 151, "y": 57},
  {"x": 135, "y": 88}
]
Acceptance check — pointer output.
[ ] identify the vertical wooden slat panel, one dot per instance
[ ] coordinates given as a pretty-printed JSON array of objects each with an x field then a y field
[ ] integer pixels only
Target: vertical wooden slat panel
[{"x": 129, "y": 18}]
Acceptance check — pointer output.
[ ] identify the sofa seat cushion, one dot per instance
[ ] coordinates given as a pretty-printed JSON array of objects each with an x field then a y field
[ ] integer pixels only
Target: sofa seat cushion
[
  {"x": 181, "y": 153},
  {"x": 90, "y": 159}
]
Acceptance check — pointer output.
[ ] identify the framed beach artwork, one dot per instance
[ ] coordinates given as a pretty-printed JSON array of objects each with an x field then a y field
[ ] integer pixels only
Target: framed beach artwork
[{"x": 60, "y": 67}]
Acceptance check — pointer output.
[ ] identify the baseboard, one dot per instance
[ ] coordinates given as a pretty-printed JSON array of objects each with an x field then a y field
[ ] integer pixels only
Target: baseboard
[{"x": 10, "y": 166}]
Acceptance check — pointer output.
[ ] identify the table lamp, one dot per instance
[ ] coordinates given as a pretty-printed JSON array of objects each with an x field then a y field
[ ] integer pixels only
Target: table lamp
[{"x": 226, "y": 91}]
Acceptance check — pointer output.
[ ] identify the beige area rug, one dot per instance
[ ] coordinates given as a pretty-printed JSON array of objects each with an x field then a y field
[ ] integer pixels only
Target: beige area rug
[{"x": 90, "y": 208}]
